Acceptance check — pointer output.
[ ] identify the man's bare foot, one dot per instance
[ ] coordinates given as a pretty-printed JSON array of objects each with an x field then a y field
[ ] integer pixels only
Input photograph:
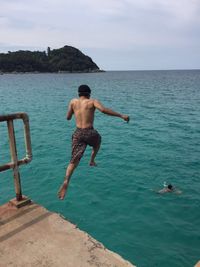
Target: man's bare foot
[
  {"x": 62, "y": 190},
  {"x": 93, "y": 163}
]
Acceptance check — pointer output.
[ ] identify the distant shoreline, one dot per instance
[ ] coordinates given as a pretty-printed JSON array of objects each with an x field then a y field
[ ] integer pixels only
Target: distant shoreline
[{"x": 57, "y": 72}]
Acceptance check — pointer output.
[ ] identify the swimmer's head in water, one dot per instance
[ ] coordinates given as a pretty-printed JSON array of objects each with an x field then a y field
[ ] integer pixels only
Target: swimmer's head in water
[{"x": 170, "y": 187}]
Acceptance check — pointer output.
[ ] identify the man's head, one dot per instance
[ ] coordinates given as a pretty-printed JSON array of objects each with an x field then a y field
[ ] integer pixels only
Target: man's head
[
  {"x": 84, "y": 90},
  {"x": 170, "y": 187}
]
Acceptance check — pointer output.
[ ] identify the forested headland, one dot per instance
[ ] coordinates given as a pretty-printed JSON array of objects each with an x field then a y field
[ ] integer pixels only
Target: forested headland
[{"x": 65, "y": 59}]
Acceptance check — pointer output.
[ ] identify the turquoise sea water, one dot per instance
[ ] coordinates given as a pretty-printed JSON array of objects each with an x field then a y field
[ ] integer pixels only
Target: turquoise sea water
[{"x": 115, "y": 202}]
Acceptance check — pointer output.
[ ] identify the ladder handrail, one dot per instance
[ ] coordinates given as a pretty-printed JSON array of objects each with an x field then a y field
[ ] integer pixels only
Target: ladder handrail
[
  {"x": 28, "y": 156},
  {"x": 15, "y": 163}
]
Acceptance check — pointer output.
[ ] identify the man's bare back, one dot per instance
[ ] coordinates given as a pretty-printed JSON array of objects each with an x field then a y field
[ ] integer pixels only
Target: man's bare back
[{"x": 84, "y": 109}]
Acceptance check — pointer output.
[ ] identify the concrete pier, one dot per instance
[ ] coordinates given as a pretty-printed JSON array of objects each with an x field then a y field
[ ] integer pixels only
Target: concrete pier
[{"x": 34, "y": 237}]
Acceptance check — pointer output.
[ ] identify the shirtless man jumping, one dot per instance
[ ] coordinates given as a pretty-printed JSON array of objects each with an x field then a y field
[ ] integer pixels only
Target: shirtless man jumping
[{"x": 83, "y": 109}]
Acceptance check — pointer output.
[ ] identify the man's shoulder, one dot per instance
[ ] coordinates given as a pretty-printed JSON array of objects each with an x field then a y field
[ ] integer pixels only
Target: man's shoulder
[
  {"x": 73, "y": 100},
  {"x": 94, "y": 100}
]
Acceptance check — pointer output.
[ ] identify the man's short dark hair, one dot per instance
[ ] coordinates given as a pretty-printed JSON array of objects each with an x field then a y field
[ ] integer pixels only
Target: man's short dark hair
[
  {"x": 84, "y": 90},
  {"x": 170, "y": 187}
]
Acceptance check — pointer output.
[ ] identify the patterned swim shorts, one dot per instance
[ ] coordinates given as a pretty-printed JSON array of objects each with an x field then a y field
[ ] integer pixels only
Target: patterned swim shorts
[{"x": 80, "y": 139}]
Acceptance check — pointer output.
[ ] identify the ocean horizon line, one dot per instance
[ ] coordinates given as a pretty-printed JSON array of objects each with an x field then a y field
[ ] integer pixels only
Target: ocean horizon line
[{"x": 192, "y": 69}]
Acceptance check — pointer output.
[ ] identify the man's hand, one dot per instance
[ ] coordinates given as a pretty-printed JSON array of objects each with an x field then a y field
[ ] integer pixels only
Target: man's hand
[{"x": 126, "y": 118}]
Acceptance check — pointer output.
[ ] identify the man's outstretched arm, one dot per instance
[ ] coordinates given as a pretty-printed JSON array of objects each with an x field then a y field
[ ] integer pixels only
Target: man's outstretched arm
[
  {"x": 110, "y": 112},
  {"x": 70, "y": 111}
]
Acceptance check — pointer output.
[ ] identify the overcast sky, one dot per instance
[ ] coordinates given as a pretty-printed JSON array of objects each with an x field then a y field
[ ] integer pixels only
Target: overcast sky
[{"x": 117, "y": 34}]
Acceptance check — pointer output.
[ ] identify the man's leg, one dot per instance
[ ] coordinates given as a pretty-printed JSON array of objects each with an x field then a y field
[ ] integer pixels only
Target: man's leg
[
  {"x": 93, "y": 155},
  {"x": 95, "y": 143},
  {"x": 70, "y": 169}
]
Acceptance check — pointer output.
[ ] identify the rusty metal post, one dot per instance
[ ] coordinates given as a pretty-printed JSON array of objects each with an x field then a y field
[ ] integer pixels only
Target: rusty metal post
[{"x": 14, "y": 160}]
